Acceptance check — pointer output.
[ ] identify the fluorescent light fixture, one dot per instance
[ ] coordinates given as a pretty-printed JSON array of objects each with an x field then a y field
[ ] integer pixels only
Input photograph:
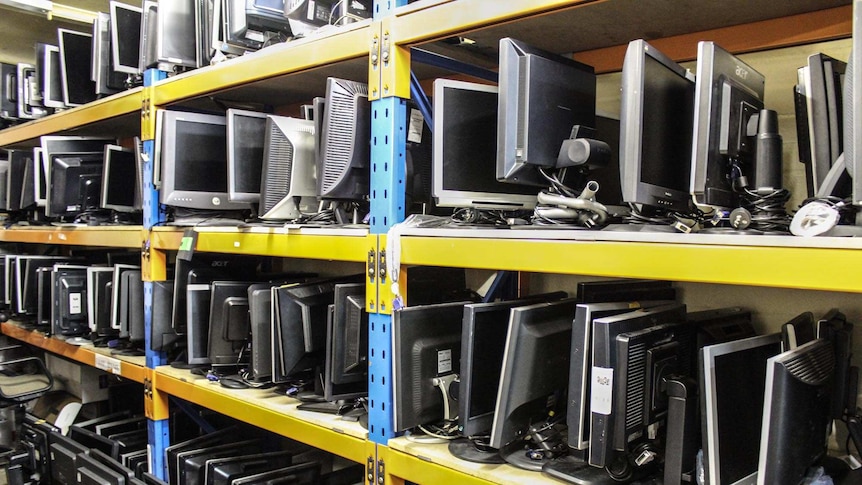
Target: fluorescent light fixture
[
  {"x": 34, "y": 6},
  {"x": 50, "y": 10}
]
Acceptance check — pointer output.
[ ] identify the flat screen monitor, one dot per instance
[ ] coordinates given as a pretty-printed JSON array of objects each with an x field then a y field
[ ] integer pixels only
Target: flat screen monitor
[
  {"x": 853, "y": 111},
  {"x": 465, "y": 150},
  {"x": 603, "y": 390},
  {"x": 15, "y": 178},
  {"x": 26, "y": 279},
  {"x": 299, "y": 474},
  {"x": 483, "y": 343},
  {"x": 125, "y": 37},
  {"x": 733, "y": 386},
  {"x": 624, "y": 289},
  {"x": 4, "y": 175},
  {"x": 533, "y": 379},
  {"x": 163, "y": 338},
  {"x": 63, "y": 450},
  {"x": 193, "y": 144},
  {"x": 52, "y": 78},
  {"x": 228, "y": 326},
  {"x": 74, "y": 184},
  {"x": 76, "y": 66},
  {"x": 92, "y": 440},
  {"x": 346, "y": 359},
  {"x": 345, "y": 152},
  {"x": 223, "y": 471},
  {"x": 287, "y": 189},
  {"x": 40, "y": 177},
  {"x": 193, "y": 462},
  {"x": 9, "y": 91},
  {"x": 176, "y": 30},
  {"x": 149, "y": 35},
  {"x": 94, "y": 472},
  {"x": 116, "y": 298},
  {"x": 796, "y": 412},
  {"x": 132, "y": 306},
  {"x": 246, "y": 137},
  {"x": 120, "y": 191},
  {"x": 198, "y": 296},
  {"x": 56, "y": 145},
  {"x": 223, "y": 435},
  {"x": 728, "y": 93},
  {"x": 44, "y": 298},
  {"x": 127, "y": 474},
  {"x": 656, "y": 123},
  {"x": 107, "y": 80},
  {"x": 426, "y": 345},
  {"x": 260, "y": 321},
  {"x": 542, "y": 96},
  {"x": 99, "y": 299},
  {"x": 69, "y": 296}
]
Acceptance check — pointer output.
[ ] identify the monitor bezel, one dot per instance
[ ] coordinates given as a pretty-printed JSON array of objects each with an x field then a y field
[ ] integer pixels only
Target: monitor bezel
[
  {"x": 634, "y": 190},
  {"x": 233, "y": 165},
  {"x": 106, "y": 170},
  {"x": 115, "y": 6},
  {"x": 92, "y": 290},
  {"x": 67, "y": 95},
  {"x": 53, "y": 71}
]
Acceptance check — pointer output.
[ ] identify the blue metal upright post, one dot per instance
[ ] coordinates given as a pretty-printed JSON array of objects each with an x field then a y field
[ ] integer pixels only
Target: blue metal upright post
[{"x": 159, "y": 437}]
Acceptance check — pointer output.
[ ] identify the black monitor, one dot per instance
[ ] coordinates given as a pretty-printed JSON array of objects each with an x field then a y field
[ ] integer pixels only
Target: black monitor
[
  {"x": 74, "y": 184},
  {"x": 63, "y": 450},
  {"x": 19, "y": 160},
  {"x": 796, "y": 412},
  {"x": 120, "y": 182},
  {"x": 732, "y": 379},
  {"x": 728, "y": 94},
  {"x": 343, "y": 173},
  {"x": 163, "y": 338},
  {"x": 172, "y": 452},
  {"x": 92, "y": 440},
  {"x": 820, "y": 119},
  {"x": 193, "y": 462},
  {"x": 287, "y": 189},
  {"x": 118, "y": 290},
  {"x": 8, "y": 91},
  {"x": 834, "y": 327},
  {"x": 534, "y": 376},
  {"x": 853, "y": 113},
  {"x": 260, "y": 323},
  {"x": 426, "y": 347},
  {"x": 228, "y": 323},
  {"x": 125, "y": 37},
  {"x": 114, "y": 465},
  {"x": 604, "y": 390},
  {"x": 75, "y": 67},
  {"x": 656, "y": 123},
  {"x": 69, "y": 297},
  {"x": 798, "y": 331},
  {"x": 483, "y": 343},
  {"x": 624, "y": 289},
  {"x": 346, "y": 358},
  {"x": 223, "y": 471},
  {"x": 299, "y": 327},
  {"x": 132, "y": 307},
  {"x": 108, "y": 81},
  {"x": 542, "y": 97},
  {"x": 92, "y": 471},
  {"x": 465, "y": 150},
  {"x": 44, "y": 297},
  {"x": 100, "y": 300},
  {"x": 26, "y": 281},
  {"x": 300, "y": 474},
  {"x": 190, "y": 144},
  {"x": 246, "y": 137},
  {"x": 198, "y": 296},
  {"x": 252, "y": 24}
]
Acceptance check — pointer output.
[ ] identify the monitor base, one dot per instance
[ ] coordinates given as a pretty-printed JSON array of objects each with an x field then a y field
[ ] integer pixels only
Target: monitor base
[
  {"x": 466, "y": 450},
  {"x": 521, "y": 458},
  {"x": 573, "y": 470}
]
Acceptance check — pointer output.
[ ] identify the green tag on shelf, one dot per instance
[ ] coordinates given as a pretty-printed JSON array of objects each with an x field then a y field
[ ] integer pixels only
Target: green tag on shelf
[{"x": 187, "y": 245}]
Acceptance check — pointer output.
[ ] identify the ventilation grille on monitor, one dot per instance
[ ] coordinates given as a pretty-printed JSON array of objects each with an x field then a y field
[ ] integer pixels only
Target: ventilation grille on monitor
[
  {"x": 636, "y": 385},
  {"x": 815, "y": 367},
  {"x": 352, "y": 331},
  {"x": 279, "y": 165},
  {"x": 340, "y": 126}
]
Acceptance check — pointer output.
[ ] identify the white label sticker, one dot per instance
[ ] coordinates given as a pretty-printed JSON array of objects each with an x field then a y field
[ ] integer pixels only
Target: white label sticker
[
  {"x": 414, "y": 131},
  {"x": 602, "y": 390},
  {"x": 108, "y": 364},
  {"x": 444, "y": 361},
  {"x": 311, "y": 8},
  {"x": 74, "y": 304}
]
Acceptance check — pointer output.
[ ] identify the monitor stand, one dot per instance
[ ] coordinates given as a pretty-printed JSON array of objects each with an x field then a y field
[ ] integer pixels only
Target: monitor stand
[
  {"x": 466, "y": 449},
  {"x": 573, "y": 470}
]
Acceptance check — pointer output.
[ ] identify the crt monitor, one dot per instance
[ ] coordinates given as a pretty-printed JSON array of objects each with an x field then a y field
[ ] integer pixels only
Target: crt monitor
[
  {"x": 534, "y": 377},
  {"x": 796, "y": 412},
  {"x": 343, "y": 173},
  {"x": 542, "y": 96},
  {"x": 728, "y": 93},
  {"x": 464, "y": 151},
  {"x": 656, "y": 123},
  {"x": 251, "y": 22},
  {"x": 288, "y": 173},
  {"x": 125, "y": 37},
  {"x": 191, "y": 144},
  {"x": 346, "y": 359},
  {"x": 120, "y": 191},
  {"x": 246, "y": 135},
  {"x": 733, "y": 386},
  {"x": 75, "y": 67},
  {"x": 426, "y": 346}
]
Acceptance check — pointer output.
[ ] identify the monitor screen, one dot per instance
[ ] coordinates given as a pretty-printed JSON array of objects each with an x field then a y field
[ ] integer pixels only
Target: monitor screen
[
  {"x": 657, "y": 116},
  {"x": 542, "y": 96},
  {"x": 52, "y": 79},
  {"x": 246, "y": 134},
  {"x": 465, "y": 150},
  {"x": 192, "y": 144},
  {"x": 120, "y": 179},
  {"x": 733, "y": 380},
  {"x": 727, "y": 93},
  {"x": 125, "y": 37},
  {"x": 75, "y": 67},
  {"x": 40, "y": 177}
]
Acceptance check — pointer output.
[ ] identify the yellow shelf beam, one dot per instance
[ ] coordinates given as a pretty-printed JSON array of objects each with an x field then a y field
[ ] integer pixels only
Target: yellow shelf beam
[
  {"x": 271, "y": 243},
  {"x": 265, "y": 409},
  {"x": 346, "y": 43},
  {"x": 121, "y": 104},
  {"x": 106, "y": 236},
  {"x": 814, "y": 268},
  {"x": 400, "y": 467},
  {"x": 133, "y": 368}
]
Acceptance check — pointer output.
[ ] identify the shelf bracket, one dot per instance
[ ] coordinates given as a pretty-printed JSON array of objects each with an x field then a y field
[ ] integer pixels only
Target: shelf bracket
[{"x": 389, "y": 64}]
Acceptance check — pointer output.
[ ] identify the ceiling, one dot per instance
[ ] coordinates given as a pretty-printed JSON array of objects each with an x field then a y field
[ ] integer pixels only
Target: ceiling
[{"x": 22, "y": 30}]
